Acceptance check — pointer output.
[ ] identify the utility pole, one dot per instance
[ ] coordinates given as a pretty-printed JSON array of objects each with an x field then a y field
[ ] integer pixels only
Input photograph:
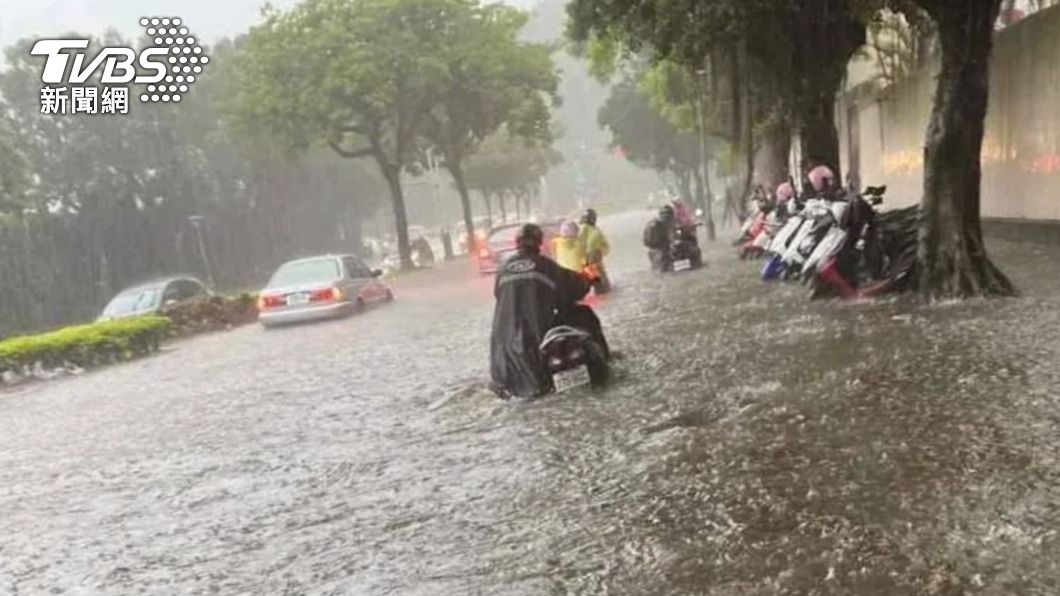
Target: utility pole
[{"x": 196, "y": 222}]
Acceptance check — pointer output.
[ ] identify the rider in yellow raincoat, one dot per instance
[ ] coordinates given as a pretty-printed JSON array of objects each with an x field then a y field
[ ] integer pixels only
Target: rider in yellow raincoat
[
  {"x": 595, "y": 245},
  {"x": 568, "y": 249}
]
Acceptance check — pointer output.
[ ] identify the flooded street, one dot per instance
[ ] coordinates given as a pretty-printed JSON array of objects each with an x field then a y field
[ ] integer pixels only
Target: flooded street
[{"x": 755, "y": 443}]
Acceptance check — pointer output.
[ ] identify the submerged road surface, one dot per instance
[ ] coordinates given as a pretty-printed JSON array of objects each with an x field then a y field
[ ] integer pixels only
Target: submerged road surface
[{"x": 756, "y": 444}]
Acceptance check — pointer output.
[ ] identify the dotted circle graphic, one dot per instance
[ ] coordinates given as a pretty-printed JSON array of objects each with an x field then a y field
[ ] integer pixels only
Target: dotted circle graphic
[{"x": 184, "y": 56}]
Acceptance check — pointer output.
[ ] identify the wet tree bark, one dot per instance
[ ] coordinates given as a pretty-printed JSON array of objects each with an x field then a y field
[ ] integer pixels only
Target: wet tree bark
[
  {"x": 826, "y": 35},
  {"x": 952, "y": 257},
  {"x": 457, "y": 172},
  {"x": 818, "y": 136},
  {"x": 772, "y": 166},
  {"x": 489, "y": 206},
  {"x": 392, "y": 173}
]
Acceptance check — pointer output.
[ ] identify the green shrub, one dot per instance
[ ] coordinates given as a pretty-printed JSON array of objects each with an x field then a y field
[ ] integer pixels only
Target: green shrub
[{"x": 84, "y": 345}]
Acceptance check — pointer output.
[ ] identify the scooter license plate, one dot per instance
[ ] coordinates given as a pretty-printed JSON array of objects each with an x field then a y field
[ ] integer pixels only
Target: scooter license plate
[
  {"x": 683, "y": 265},
  {"x": 569, "y": 379}
]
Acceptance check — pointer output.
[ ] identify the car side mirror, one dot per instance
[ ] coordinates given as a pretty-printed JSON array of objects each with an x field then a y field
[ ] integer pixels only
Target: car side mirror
[{"x": 377, "y": 272}]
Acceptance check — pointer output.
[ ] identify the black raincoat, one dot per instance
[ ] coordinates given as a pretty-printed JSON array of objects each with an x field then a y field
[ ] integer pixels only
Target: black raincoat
[{"x": 532, "y": 291}]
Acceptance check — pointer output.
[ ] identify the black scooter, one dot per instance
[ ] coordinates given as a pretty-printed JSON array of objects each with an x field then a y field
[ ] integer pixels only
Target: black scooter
[
  {"x": 574, "y": 359},
  {"x": 685, "y": 254}
]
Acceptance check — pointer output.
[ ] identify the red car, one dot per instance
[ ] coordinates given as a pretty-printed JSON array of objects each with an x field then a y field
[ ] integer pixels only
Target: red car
[{"x": 500, "y": 244}]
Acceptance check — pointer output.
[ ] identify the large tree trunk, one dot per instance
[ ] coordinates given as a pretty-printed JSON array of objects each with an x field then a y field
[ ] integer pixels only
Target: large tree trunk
[
  {"x": 392, "y": 173},
  {"x": 772, "y": 165},
  {"x": 748, "y": 138},
  {"x": 504, "y": 207},
  {"x": 457, "y": 172},
  {"x": 818, "y": 136},
  {"x": 825, "y": 36},
  {"x": 489, "y": 207},
  {"x": 952, "y": 257}
]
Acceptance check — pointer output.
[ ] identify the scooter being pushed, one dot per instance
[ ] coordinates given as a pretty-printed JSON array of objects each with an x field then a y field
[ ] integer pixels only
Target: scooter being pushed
[{"x": 574, "y": 359}]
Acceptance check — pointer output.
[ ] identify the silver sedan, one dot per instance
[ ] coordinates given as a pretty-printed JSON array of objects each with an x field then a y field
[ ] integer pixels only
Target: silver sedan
[{"x": 317, "y": 288}]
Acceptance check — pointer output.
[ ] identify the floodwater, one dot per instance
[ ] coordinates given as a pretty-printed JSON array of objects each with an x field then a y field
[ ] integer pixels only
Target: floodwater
[{"x": 756, "y": 443}]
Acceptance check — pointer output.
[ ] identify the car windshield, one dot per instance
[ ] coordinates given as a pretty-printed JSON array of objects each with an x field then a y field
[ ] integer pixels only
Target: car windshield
[
  {"x": 305, "y": 272},
  {"x": 130, "y": 301}
]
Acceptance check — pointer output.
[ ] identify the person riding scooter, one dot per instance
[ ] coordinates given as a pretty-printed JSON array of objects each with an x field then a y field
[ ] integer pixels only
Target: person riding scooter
[
  {"x": 596, "y": 248},
  {"x": 534, "y": 294},
  {"x": 658, "y": 237}
]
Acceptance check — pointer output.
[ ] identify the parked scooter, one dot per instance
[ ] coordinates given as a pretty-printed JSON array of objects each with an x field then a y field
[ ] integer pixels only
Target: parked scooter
[
  {"x": 759, "y": 228},
  {"x": 881, "y": 261},
  {"x": 849, "y": 255}
]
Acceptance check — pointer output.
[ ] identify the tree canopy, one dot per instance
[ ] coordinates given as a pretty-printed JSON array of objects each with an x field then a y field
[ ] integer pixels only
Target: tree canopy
[{"x": 375, "y": 78}]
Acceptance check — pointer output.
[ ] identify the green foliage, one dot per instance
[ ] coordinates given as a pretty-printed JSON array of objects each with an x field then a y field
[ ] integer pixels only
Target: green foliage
[
  {"x": 493, "y": 80},
  {"x": 84, "y": 345},
  {"x": 792, "y": 52},
  {"x": 363, "y": 73},
  {"x": 371, "y": 78},
  {"x": 103, "y": 202},
  {"x": 647, "y": 137},
  {"x": 14, "y": 170},
  {"x": 507, "y": 164}
]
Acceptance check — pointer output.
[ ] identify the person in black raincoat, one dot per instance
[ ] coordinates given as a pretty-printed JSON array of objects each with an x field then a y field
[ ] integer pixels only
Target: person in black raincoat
[
  {"x": 659, "y": 237},
  {"x": 533, "y": 295}
]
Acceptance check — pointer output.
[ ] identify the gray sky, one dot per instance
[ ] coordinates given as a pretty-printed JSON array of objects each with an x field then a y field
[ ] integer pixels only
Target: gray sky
[{"x": 209, "y": 19}]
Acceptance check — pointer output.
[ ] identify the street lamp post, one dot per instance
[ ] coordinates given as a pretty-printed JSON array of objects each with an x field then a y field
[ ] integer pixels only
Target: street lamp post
[{"x": 196, "y": 223}]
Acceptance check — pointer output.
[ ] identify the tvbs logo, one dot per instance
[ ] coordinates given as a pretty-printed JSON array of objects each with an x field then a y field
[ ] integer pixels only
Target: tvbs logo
[{"x": 167, "y": 67}]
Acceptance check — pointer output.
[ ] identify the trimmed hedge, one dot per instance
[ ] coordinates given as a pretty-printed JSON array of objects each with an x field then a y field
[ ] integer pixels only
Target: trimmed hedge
[{"x": 84, "y": 346}]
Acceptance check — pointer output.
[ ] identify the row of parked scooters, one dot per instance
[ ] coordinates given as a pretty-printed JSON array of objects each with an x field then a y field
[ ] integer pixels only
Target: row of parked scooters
[{"x": 837, "y": 241}]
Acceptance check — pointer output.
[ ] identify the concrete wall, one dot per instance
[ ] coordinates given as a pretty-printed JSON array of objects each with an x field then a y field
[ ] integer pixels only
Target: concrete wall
[{"x": 882, "y": 132}]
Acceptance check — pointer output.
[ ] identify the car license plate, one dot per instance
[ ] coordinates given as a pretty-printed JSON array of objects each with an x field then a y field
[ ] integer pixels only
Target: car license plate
[
  {"x": 569, "y": 379},
  {"x": 683, "y": 265},
  {"x": 294, "y": 299}
]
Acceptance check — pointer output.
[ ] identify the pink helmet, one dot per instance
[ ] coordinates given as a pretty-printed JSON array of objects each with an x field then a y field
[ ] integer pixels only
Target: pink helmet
[
  {"x": 821, "y": 178},
  {"x": 569, "y": 229},
  {"x": 785, "y": 192}
]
